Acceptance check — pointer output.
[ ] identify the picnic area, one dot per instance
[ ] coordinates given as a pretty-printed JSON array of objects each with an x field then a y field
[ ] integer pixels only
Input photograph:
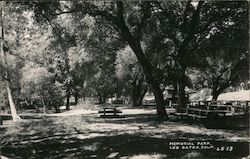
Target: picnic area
[
  {"x": 124, "y": 79},
  {"x": 138, "y": 134}
]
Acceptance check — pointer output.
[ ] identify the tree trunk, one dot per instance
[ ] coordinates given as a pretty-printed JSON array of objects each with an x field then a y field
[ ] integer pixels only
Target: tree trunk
[
  {"x": 67, "y": 98},
  {"x": 68, "y": 95},
  {"x": 76, "y": 98},
  {"x": 44, "y": 106},
  {"x": 215, "y": 92},
  {"x": 215, "y": 96},
  {"x": 153, "y": 83},
  {"x": 57, "y": 109},
  {"x": 135, "y": 45},
  {"x": 84, "y": 95},
  {"x": 174, "y": 95},
  {"x": 218, "y": 90},
  {"x": 160, "y": 102},
  {"x": 144, "y": 91},
  {"x": 135, "y": 93},
  {"x": 138, "y": 93},
  {"x": 1, "y": 121},
  {"x": 15, "y": 117},
  {"x": 182, "y": 99},
  {"x": 101, "y": 98},
  {"x": 67, "y": 67},
  {"x": 134, "y": 98}
]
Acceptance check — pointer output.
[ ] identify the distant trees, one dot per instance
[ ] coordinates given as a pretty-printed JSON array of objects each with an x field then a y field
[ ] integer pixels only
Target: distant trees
[
  {"x": 81, "y": 69},
  {"x": 37, "y": 84},
  {"x": 28, "y": 42},
  {"x": 5, "y": 74},
  {"x": 129, "y": 71},
  {"x": 69, "y": 39},
  {"x": 102, "y": 46}
]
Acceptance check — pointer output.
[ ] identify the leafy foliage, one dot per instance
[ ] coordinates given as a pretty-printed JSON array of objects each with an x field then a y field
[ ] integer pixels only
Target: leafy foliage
[
  {"x": 84, "y": 44},
  {"x": 39, "y": 85}
]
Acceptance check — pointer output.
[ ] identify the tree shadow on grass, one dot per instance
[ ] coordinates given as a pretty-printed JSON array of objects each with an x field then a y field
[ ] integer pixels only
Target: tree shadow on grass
[
  {"x": 102, "y": 147},
  {"x": 71, "y": 137}
]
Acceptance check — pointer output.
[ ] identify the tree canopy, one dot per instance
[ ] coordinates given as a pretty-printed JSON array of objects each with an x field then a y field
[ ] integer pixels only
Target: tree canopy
[{"x": 84, "y": 44}]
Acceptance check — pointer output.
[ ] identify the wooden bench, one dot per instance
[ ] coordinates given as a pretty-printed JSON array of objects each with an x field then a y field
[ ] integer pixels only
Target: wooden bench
[
  {"x": 31, "y": 111},
  {"x": 110, "y": 112}
]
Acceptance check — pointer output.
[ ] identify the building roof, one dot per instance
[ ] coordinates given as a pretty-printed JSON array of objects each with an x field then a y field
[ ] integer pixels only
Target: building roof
[{"x": 243, "y": 95}]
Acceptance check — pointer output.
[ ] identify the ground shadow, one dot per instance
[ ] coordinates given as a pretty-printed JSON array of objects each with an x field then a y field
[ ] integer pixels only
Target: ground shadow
[
  {"x": 119, "y": 146},
  {"x": 75, "y": 137}
]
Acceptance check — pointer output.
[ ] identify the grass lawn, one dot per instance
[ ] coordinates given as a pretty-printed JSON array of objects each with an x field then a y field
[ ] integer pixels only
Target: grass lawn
[{"x": 137, "y": 135}]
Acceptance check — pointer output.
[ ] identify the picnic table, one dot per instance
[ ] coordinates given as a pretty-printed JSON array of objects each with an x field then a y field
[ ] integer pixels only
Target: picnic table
[{"x": 110, "y": 112}]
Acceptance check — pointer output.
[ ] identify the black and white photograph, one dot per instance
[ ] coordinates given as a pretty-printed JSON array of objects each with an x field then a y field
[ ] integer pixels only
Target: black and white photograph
[{"x": 124, "y": 79}]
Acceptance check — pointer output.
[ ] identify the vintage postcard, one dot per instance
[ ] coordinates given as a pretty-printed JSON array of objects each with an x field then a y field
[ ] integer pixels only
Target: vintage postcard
[{"x": 125, "y": 79}]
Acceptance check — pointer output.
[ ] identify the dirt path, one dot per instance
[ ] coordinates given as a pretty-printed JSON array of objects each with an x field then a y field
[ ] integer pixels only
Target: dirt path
[{"x": 81, "y": 111}]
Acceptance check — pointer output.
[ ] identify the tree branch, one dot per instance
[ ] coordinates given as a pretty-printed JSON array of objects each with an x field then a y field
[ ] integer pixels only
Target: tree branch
[
  {"x": 84, "y": 10},
  {"x": 192, "y": 31},
  {"x": 184, "y": 24},
  {"x": 146, "y": 15},
  {"x": 91, "y": 12},
  {"x": 171, "y": 25}
]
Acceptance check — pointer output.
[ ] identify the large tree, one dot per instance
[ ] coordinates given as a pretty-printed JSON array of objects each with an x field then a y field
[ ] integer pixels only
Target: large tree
[
  {"x": 223, "y": 54},
  {"x": 183, "y": 25},
  {"x": 190, "y": 27},
  {"x": 115, "y": 14},
  {"x": 227, "y": 54}
]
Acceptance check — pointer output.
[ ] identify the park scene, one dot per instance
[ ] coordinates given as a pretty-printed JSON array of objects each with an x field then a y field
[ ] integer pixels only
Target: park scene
[{"x": 124, "y": 79}]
